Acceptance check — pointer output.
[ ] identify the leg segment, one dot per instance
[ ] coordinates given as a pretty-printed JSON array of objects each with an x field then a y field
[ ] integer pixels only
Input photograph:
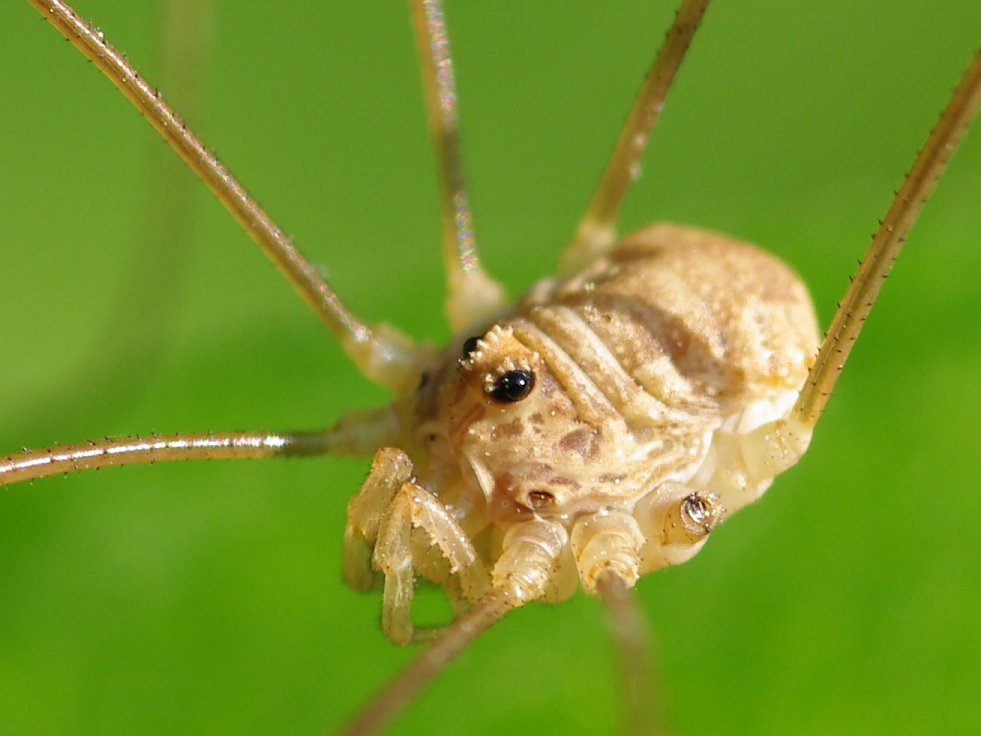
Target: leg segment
[
  {"x": 472, "y": 296},
  {"x": 741, "y": 465},
  {"x": 381, "y": 353},
  {"x": 675, "y": 521},
  {"x": 607, "y": 542},
  {"x": 641, "y": 709},
  {"x": 530, "y": 553},
  {"x": 886, "y": 244},
  {"x": 597, "y": 229}
]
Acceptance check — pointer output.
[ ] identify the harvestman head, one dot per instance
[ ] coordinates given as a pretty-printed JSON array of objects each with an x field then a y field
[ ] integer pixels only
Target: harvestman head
[{"x": 537, "y": 380}]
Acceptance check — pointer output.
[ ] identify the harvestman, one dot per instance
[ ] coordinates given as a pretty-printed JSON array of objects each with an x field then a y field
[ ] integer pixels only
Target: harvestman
[{"x": 588, "y": 435}]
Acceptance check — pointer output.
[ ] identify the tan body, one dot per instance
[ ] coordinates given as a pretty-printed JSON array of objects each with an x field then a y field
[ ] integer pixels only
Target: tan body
[{"x": 651, "y": 370}]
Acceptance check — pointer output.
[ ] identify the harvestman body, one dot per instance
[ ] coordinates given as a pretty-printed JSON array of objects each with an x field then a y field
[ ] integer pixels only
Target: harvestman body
[
  {"x": 597, "y": 430},
  {"x": 606, "y": 424}
]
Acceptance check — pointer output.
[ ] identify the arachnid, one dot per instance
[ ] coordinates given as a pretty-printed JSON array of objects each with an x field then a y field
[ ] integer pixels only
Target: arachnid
[{"x": 859, "y": 559}]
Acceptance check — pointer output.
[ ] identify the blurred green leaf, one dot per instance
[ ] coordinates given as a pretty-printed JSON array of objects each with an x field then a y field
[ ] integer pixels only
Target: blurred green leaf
[{"x": 206, "y": 598}]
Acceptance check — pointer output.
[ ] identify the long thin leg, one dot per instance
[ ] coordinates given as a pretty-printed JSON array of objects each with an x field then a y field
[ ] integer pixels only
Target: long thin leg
[
  {"x": 114, "y": 371},
  {"x": 381, "y": 353},
  {"x": 453, "y": 640},
  {"x": 472, "y": 296},
  {"x": 641, "y": 709},
  {"x": 32, "y": 464},
  {"x": 886, "y": 244},
  {"x": 597, "y": 229},
  {"x": 358, "y": 433}
]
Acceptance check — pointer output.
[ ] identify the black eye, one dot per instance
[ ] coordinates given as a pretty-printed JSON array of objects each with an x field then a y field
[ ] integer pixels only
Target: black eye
[
  {"x": 513, "y": 386},
  {"x": 469, "y": 345}
]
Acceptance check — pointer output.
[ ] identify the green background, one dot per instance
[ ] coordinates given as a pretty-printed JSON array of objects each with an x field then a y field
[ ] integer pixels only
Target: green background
[{"x": 206, "y": 598}]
